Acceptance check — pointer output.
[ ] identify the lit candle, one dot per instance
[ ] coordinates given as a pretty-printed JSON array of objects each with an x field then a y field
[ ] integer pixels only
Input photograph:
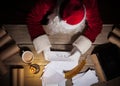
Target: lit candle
[{"x": 34, "y": 68}]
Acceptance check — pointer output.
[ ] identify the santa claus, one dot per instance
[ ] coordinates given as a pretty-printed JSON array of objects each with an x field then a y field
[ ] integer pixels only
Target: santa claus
[{"x": 50, "y": 17}]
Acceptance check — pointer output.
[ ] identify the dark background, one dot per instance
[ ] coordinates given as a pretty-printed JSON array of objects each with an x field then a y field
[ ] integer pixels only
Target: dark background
[{"x": 15, "y": 11}]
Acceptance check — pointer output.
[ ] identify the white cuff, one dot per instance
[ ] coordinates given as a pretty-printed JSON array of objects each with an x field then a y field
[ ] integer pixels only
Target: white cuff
[
  {"x": 82, "y": 44},
  {"x": 41, "y": 43}
]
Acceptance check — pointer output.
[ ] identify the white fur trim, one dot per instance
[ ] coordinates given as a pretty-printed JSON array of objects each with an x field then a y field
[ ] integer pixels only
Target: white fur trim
[
  {"x": 41, "y": 43},
  {"x": 83, "y": 44}
]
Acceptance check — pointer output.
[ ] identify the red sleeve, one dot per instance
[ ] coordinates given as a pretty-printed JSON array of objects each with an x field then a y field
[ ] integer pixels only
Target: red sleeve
[
  {"x": 93, "y": 19},
  {"x": 35, "y": 16}
]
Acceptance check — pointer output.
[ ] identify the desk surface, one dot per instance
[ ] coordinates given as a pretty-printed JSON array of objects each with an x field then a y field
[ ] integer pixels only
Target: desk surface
[
  {"x": 22, "y": 38},
  {"x": 34, "y": 79}
]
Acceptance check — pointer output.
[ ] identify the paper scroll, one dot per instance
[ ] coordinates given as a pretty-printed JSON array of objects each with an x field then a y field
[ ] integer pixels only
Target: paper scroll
[
  {"x": 8, "y": 52},
  {"x": 14, "y": 77},
  {"x": 115, "y": 40},
  {"x": 2, "y": 32},
  {"x": 5, "y": 39},
  {"x": 18, "y": 77},
  {"x": 116, "y": 31},
  {"x": 3, "y": 69},
  {"x": 114, "y": 36}
]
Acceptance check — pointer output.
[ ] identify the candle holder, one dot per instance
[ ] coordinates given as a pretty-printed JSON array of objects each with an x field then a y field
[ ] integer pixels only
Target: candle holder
[{"x": 34, "y": 68}]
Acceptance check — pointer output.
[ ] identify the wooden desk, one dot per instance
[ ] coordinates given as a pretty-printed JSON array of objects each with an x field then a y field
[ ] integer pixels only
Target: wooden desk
[
  {"x": 22, "y": 38},
  {"x": 34, "y": 79}
]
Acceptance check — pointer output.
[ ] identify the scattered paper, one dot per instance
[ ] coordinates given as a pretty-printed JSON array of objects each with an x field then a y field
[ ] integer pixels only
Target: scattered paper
[
  {"x": 61, "y": 66},
  {"x": 63, "y": 61},
  {"x": 52, "y": 78},
  {"x": 85, "y": 79}
]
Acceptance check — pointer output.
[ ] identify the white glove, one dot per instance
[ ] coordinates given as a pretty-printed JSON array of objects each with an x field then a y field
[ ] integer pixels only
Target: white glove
[
  {"x": 46, "y": 53},
  {"x": 82, "y": 44},
  {"x": 75, "y": 55},
  {"x": 41, "y": 43}
]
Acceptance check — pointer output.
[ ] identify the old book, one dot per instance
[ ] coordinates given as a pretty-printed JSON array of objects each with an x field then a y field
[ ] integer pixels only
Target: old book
[{"x": 106, "y": 58}]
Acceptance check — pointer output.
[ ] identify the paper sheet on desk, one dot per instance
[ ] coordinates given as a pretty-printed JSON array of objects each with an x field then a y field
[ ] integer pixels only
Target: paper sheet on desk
[
  {"x": 52, "y": 78},
  {"x": 59, "y": 61},
  {"x": 61, "y": 66},
  {"x": 57, "y": 56},
  {"x": 85, "y": 79},
  {"x": 53, "y": 73}
]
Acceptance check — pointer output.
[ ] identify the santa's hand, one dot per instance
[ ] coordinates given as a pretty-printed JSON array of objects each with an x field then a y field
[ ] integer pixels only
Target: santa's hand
[
  {"x": 41, "y": 43},
  {"x": 46, "y": 53},
  {"x": 82, "y": 44},
  {"x": 75, "y": 55}
]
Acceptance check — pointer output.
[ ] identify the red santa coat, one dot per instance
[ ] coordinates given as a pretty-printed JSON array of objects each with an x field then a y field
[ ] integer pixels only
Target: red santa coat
[{"x": 72, "y": 13}]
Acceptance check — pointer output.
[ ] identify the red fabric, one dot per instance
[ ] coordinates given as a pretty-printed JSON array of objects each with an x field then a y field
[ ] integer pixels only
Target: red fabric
[
  {"x": 73, "y": 13},
  {"x": 93, "y": 19},
  {"x": 35, "y": 16}
]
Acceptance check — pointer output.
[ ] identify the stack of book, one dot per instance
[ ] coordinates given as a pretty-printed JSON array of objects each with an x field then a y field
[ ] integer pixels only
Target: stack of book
[{"x": 8, "y": 48}]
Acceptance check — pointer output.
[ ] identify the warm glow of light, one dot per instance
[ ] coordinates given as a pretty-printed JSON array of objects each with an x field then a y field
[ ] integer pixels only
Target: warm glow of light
[{"x": 32, "y": 69}]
